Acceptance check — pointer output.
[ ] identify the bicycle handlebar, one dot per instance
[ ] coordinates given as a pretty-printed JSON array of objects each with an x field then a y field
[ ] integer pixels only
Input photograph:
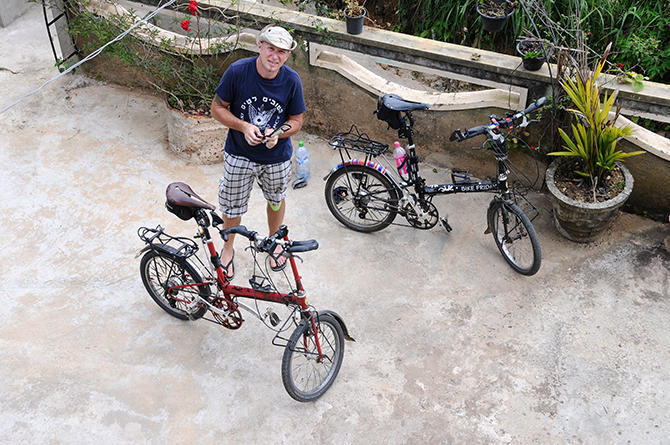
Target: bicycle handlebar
[
  {"x": 509, "y": 122},
  {"x": 535, "y": 105},
  {"x": 269, "y": 244}
]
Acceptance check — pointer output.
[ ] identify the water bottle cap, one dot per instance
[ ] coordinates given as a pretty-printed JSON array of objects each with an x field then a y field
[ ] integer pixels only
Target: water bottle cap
[
  {"x": 396, "y": 144},
  {"x": 301, "y": 143}
]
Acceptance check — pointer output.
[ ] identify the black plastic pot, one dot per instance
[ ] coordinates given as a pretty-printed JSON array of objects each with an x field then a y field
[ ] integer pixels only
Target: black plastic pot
[
  {"x": 354, "y": 24},
  {"x": 533, "y": 63},
  {"x": 493, "y": 24}
]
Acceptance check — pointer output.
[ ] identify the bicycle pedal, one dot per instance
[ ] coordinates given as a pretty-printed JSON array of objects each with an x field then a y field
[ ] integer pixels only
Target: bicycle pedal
[
  {"x": 273, "y": 317},
  {"x": 445, "y": 224}
]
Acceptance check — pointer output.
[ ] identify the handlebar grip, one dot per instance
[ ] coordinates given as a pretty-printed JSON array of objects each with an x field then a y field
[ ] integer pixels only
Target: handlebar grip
[
  {"x": 459, "y": 135},
  {"x": 240, "y": 230},
  {"x": 302, "y": 246},
  {"x": 535, "y": 105}
]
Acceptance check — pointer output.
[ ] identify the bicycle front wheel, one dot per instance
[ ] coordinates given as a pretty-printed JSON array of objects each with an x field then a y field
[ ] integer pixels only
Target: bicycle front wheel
[
  {"x": 306, "y": 374},
  {"x": 361, "y": 198},
  {"x": 515, "y": 237},
  {"x": 167, "y": 280}
]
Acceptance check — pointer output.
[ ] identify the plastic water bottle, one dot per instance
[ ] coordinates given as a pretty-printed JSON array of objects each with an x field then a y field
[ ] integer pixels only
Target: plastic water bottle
[
  {"x": 399, "y": 156},
  {"x": 302, "y": 161}
]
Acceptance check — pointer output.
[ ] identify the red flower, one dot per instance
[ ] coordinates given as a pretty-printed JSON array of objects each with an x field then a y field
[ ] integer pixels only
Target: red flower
[
  {"x": 620, "y": 65},
  {"x": 185, "y": 24},
  {"x": 193, "y": 7}
]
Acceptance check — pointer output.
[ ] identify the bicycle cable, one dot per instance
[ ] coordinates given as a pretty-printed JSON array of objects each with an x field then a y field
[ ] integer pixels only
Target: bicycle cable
[{"x": 266, "y": 275}]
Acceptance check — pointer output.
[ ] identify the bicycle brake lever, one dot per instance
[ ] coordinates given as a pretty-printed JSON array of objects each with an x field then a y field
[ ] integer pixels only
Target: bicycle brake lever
[{"x": 216, "y": 219}]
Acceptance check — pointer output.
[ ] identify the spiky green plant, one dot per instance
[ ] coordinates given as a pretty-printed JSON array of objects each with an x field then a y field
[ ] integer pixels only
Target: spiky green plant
[{"x": 595, "y": 136}]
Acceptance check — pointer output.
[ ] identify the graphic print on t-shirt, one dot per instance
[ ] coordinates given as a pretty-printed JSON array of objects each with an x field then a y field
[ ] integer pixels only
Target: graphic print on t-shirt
[{"x": 263, "y": 112}]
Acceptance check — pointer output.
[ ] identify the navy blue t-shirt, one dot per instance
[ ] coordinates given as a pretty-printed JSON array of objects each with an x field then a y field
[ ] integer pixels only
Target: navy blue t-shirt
[{"x": 266, "y": 103}]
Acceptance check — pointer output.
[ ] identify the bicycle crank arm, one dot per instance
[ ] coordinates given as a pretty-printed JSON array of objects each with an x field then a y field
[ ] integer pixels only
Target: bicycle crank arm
[
  {"x": 213, "y": 308},
  {"x": 249, "y": 309}
]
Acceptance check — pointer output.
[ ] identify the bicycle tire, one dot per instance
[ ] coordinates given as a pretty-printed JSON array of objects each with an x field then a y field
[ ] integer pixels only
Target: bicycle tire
[
  {"x": 160, "y": 271},
  {"x": 299, "y": 362},
  {"x": 515, "y": 235},
  {"x": 361, "y": 198}
]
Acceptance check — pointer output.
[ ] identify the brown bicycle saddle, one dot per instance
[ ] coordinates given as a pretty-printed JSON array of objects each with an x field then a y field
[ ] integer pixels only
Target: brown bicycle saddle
[{"x": 181, "y": 194}]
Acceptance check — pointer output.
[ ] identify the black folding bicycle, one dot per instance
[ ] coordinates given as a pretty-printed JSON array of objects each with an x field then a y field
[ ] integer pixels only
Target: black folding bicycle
[{"x": 365, "y": 196}]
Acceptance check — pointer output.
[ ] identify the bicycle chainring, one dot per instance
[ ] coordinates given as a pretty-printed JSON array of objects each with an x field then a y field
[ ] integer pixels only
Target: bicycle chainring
[
  {"x": 427, "y": 219},
  {"x": 232, "y": 319}
]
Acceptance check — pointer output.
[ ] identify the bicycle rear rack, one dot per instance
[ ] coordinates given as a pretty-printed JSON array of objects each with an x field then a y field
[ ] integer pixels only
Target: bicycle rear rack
[
  {"x": 357, "y": 141},
  {"x": 175, "y": 245}
]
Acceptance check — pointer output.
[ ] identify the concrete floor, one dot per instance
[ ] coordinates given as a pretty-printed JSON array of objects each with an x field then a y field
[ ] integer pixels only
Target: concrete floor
[{"x": 452, "y": 345}]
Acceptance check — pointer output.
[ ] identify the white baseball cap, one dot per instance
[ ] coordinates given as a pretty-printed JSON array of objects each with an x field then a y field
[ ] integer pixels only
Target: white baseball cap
[{"x": 277, "y": 36}]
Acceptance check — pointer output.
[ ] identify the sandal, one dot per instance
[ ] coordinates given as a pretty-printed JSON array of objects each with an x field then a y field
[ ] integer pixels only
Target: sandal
[
  {"x": 278, "y": 267},
  {"x": 232, "y": 267},
  {"x": 299, "y": 183}
]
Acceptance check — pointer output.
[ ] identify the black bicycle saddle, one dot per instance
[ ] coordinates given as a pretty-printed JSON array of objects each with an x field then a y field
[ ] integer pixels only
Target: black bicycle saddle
[{"x": 397, "y": 103}]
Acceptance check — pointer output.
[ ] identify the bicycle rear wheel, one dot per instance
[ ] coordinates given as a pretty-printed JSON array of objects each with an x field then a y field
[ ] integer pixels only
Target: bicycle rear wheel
[
  {"x": 305, "y": 374},
  {"x": 164, "y": 275},
  {"x": 361, "y": 198},
  {"x": 515, "y": 237}
]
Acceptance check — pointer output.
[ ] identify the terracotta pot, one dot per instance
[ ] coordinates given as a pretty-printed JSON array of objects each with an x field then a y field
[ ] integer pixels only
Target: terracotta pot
[
  {"x": 584, "y": 221},
  {"x": 198, "y": 139}
]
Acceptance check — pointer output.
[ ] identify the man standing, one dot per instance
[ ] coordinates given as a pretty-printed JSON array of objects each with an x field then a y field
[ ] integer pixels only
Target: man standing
[{"x": 255, "y": 96}]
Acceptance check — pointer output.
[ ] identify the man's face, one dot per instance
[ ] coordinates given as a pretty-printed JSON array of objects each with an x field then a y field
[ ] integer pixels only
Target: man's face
[{"x": 271, "y": 58}]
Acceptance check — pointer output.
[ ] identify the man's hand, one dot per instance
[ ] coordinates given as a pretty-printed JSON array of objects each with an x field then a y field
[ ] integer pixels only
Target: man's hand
[
  {"x": 270, "y": 141},
  {"x": 253, "y": 135}
]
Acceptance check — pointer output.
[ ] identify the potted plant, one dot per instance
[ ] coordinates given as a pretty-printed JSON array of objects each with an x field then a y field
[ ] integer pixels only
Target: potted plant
[
  {"x": 587, "y": 191},
  {"x": 534, "y": 53},
  {"x": 495, "y": 13},
  {"x": 354, "y": 14}
]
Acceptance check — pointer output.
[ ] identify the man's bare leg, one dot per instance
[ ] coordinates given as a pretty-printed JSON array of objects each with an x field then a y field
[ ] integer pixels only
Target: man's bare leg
[
  {"x": 227, "y": 252},
  {"x": 275, "y": 219}
]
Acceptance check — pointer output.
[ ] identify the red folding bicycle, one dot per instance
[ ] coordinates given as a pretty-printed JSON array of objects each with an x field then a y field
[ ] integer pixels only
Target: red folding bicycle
[{"x": 186, "y": 288}]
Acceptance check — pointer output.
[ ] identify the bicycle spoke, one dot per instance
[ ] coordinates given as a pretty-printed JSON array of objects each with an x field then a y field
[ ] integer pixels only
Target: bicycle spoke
[
  {"x": 168, "y": 282},
  {"x": 515, "y": 238},
  {"x": 361, "y": 198}
]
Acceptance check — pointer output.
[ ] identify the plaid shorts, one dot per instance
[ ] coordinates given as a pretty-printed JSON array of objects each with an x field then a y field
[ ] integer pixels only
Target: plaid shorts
[{"x": 237, "y": 180}]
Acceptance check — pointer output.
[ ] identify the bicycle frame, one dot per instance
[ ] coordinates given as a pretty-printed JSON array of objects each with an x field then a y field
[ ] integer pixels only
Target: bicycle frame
[
  {"x": 415, "y": 180},
  {"x": 227, "y": 288}
]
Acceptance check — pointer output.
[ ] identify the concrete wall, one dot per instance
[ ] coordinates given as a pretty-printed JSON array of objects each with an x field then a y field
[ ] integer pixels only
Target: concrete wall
[
  {"x": 11, "y": 9},
  {"x": 335, "y": 102}
]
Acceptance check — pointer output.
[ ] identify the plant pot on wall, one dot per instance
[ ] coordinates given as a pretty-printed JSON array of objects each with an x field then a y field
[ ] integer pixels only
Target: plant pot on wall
[
  {"x": 354, "y": 21},
  {"x": 495, "y": 13},
  {"x": 534, "y": 53},
  {"x": 199, "y": 139},
  {"x": 584, "y": 221}
]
